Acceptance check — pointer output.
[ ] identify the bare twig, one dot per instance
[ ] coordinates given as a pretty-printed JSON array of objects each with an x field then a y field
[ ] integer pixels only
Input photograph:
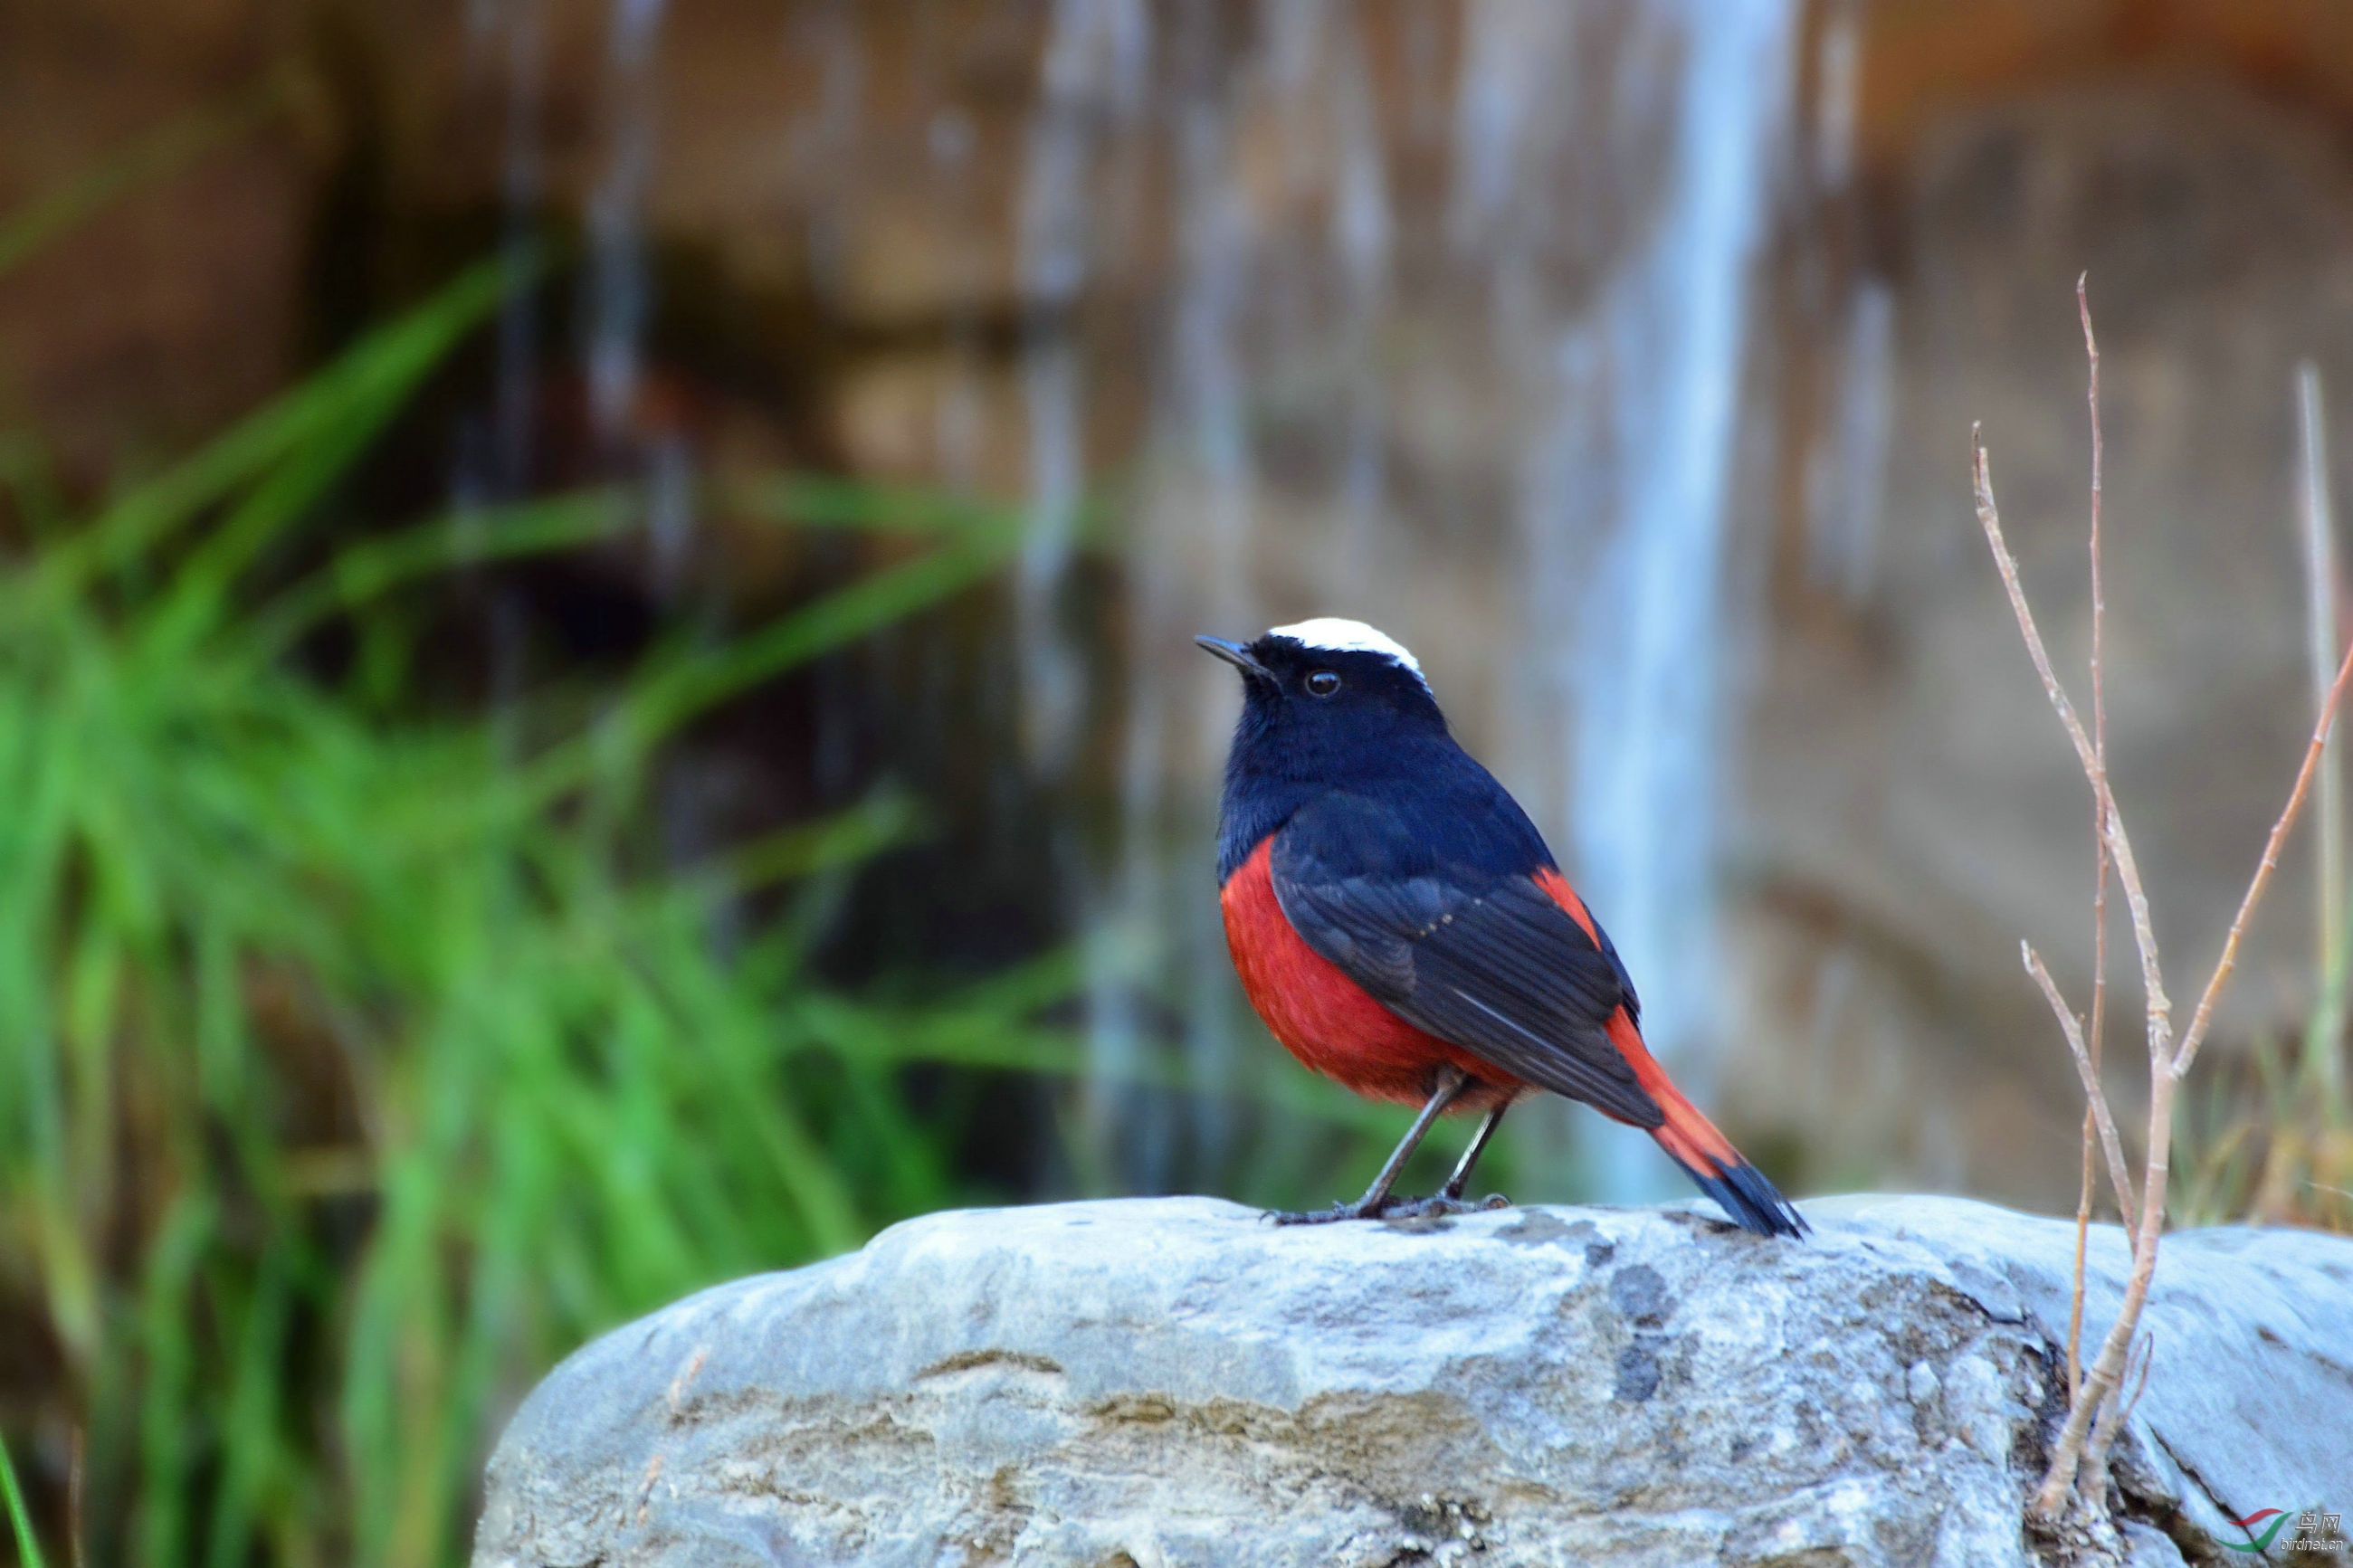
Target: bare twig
[
  {"x": 2118, "y": 1177},
  {"x": 2140, "y": 1384},
  {"x": 2161, "y": 1009},
  {"x": 2059, "y": 1481},
  {"x": 2166, "y": 1064},
  {"x": 2095, "y": 1452},
  {"x": 2092, "y": 1108},
  {"x": 2083, "y": 1248},
  {"x": 2229, "y": 961}
]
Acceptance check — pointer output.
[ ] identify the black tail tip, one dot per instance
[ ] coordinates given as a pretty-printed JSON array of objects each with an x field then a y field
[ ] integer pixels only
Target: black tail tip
[{"x": 1753, "y": 1203}]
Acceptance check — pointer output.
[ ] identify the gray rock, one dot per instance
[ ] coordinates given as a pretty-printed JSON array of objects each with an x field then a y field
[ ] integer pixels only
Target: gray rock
[{"x": 1173, "y": 1382}]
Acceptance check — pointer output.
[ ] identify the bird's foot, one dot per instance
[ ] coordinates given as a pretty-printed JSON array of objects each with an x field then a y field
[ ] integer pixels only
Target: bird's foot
[
  {"x": 1363, "y": 1208},
  {"x": 1389, "y": 1207},
  {"x": 1444, "y": 1204}
]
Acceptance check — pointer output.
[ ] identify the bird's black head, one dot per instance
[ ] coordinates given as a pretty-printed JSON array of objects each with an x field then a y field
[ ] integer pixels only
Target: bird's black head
[{"x": 1324, "y": 703}]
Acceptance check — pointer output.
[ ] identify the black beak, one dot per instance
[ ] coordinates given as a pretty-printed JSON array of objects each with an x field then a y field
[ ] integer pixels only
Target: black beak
[{"x": 1237, "y": 656}]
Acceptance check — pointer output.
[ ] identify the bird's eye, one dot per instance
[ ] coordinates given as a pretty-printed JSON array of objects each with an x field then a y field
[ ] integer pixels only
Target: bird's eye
[{"x": 1323, "y": 682}]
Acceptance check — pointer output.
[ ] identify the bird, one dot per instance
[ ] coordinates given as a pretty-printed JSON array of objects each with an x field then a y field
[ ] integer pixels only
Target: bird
[{"x": 1401, "y": 927}]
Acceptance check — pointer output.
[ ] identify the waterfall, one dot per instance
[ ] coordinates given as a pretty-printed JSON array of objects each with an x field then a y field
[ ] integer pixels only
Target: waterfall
[
  {"x": 616, "y": 267},
  {"x": 1092, "y": 84},
  {"x": 1645, "y": 796},
  {"x": 1623, "y": 494},
  {"x": 1097, "y": 55},
  {"x": 521, "y": 190}
]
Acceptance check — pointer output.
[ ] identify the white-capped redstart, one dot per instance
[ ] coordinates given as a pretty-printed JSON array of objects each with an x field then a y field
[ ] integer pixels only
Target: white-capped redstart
[{"x": 1401, "y": 927}]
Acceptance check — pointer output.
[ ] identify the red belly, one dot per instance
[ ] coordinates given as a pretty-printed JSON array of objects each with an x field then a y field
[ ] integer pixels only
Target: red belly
[{"x": 1324, "y": 1018}]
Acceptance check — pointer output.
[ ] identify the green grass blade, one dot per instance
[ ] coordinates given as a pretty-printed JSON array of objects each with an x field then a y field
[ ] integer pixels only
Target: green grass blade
[
  {"x": 171, "y": 1420},
  {"x": 28, "y": 1550},
  {"x": 201, "y": 588},
  {"x": 369, "y": 571},
  {"x": 844, "y": 839},
  {"x": 390, "y": 356},
  {"x": 250, "y": 1447},
  {"x": 689, "y": 680},
  {"x": 29, "y": 475},
  {"x": 670, "y": 696},
  {"x": 825, "y": 500},
  {"x": 156, "y": 156}
]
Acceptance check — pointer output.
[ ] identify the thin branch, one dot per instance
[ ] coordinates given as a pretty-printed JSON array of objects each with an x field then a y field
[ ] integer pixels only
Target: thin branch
[
  {"x": 2083, "y": 1250},
  {"x": 2161, "y": 1009},
  {"x": 2166, "y": 1066},
  {"x": 2059, "y": 1481},
  {"x": 2140, "y": 1386},
  {"x": 2099, "y": 1024},
  {"x": 2099, "y": 689},
  {"x": 2107, "y": 1370},
  {"x": 2099, "y": 1388},
  {"x": 2229, "y": 961},
  {"x": 2095, "y": 1452},
  {"x": 2118, "y": 1177}
]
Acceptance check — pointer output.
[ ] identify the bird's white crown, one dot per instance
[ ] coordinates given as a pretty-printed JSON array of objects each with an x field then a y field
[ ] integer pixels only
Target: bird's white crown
[{"x": 1334, "y": 634}]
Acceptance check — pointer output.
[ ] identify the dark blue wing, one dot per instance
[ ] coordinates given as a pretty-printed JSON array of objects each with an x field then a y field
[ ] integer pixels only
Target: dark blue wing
[{"x": 1439, "y": 919}]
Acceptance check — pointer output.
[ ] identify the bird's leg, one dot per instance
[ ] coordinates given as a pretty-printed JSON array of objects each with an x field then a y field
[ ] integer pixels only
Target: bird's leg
[
  {"x": 1451, "y": 1081},
  {"x": 1449, "y": 1199},
  {"x": 1452, "y": 1190}
]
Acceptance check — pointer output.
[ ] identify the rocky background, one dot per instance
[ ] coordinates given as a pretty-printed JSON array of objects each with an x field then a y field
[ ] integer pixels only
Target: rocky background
[{"x": 834, "y": 262}]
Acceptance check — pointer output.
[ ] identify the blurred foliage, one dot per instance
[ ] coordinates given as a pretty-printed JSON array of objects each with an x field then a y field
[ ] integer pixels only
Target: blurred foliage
[
  {"x": 356, "y": 1063},
  {"x": 2270, "y": 1139},
  {"x": 26, "y": 232},
  {"x": 20, "y": 1524}
]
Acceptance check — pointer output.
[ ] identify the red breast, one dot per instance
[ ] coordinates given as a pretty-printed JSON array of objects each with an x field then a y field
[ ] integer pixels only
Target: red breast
[{"x": 1326, "y": 1019}]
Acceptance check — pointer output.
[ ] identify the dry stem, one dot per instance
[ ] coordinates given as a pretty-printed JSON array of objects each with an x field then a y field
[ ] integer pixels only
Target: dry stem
[
  {"x": 2058, "y": 1482},
  {"x": 2085, "y": 1068},
  {"x": 2095, "y": 1452},
  {"x": 2099, "y": 1024},
  {"x": 2127, "y": 868},
  {"x": 2161, "y": 1009},
  {"x": 2166, "y": 1064},
  {"x": 2229, "y": 961},
  {"x": 2318, "y": 526}
]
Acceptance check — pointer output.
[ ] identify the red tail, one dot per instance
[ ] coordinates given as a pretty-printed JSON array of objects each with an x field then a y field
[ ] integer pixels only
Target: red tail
[
  {"x": 1707, "y": 1155},
  {"x": 1688, "y": 1138}
]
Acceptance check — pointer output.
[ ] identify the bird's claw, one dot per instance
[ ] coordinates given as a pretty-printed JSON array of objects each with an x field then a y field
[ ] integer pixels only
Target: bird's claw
[
  {"x": 1445, "y": 1203},
  {"x": 1360, "y": 1209},
  {"x": 1387, "y": 1207}
]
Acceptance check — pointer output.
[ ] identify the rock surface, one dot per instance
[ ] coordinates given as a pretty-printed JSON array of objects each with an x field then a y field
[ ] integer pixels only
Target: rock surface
[{"x": 1172, "y": 1382}]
